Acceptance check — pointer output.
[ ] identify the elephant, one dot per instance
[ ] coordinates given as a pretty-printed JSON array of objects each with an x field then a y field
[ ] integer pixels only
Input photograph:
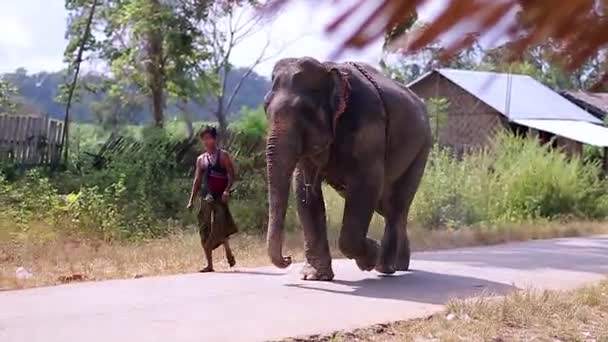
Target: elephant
[{"x": 365, "y": 135}]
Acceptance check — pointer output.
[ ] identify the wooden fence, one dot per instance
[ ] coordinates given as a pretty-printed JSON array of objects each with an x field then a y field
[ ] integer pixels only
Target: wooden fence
[
  {"x": 185, "y": 152},
  {"x": 30, "y": 140}
]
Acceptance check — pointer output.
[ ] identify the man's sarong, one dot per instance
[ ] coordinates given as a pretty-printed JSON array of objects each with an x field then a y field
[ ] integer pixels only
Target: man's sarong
[{"x": 215, "y": 223}]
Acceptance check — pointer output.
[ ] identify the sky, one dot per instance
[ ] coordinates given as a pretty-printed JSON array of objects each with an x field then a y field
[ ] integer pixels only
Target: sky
[{"x": 32, "y": 35}]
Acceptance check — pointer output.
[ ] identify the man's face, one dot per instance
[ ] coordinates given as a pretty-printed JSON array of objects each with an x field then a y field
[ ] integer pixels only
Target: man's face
[{"x": 208, "y": 141}]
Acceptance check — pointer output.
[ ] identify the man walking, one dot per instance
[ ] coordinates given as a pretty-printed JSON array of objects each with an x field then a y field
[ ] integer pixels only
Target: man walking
[{"x": 213, "y": 179}]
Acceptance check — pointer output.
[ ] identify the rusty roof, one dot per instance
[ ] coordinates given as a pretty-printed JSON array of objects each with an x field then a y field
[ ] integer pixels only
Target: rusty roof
[{"x": 597, "y": 103}]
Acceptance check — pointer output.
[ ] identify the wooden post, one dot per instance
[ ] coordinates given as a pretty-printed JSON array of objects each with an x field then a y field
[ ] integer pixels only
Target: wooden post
[
  {"x": 66, "y": 123},
  {"x": 605, "y": 161}
]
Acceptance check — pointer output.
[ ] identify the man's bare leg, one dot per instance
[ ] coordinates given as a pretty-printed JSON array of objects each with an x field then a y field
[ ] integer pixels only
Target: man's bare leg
[
  {"x": 204, "y": 218},
  {"x": 209, "y": 257},
  {"x": 229, "y": 255}
]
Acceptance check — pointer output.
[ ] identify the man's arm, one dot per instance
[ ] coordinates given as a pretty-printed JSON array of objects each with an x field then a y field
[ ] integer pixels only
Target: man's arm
[
  {"x": 196, "y": 184},
  {"x": 230, "y": 169}
]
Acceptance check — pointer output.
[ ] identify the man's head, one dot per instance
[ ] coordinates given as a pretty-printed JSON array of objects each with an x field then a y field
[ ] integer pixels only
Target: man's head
[{"x": 209, "y": 137}]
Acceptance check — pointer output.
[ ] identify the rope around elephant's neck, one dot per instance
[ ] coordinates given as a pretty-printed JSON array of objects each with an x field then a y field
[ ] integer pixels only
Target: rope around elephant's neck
[
  {"x": 386, "y": 116},
  {"x": 342, "y": 106}
]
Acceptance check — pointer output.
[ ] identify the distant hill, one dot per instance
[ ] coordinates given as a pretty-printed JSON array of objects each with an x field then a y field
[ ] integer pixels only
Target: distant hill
[{"x": 38, "y": 92}]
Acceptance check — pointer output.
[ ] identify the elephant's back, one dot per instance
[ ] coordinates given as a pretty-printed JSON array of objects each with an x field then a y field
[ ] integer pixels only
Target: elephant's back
[
  {"x": 407, "y": 129},
  {"x": 405, "y": 110}
]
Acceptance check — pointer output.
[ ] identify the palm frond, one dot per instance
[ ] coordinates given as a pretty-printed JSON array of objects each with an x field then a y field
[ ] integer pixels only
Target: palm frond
[{"x": 578, "y": 27}]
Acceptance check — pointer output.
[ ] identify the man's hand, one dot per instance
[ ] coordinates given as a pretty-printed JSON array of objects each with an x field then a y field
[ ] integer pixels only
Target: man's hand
[
  {"x": 190, "y": 204},
  {"x": 225, "y": 196}
]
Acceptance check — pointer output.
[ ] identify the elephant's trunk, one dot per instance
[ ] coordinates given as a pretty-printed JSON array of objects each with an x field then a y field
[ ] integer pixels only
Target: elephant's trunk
[{"x": 281, "y": 159}]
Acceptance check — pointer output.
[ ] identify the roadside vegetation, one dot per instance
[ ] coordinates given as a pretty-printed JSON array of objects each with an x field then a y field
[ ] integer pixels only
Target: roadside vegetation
[
  {"x": 123, "y": 214},
  {"x": 128, "y": 218},
  {"x": 578, "y": 315}
]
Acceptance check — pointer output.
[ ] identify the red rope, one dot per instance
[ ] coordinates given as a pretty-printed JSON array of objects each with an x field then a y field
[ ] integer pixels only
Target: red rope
[{"x": 344, "y": 97}]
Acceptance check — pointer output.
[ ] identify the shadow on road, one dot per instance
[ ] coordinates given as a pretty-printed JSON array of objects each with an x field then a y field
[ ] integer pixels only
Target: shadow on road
[
  {"x": 589, "y": 255},
  {"x": 415, "y": 286},
  {"x": 252, "y": 272}
]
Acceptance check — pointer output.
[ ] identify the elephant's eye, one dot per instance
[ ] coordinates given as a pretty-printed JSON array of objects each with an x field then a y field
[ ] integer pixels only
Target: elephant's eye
[{"x": 267, "y": 99}]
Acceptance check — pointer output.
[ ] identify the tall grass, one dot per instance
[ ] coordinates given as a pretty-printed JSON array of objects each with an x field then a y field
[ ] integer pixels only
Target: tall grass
[
  {"x": 513, "y": 180},
  {"x": 144, "y": 194}
]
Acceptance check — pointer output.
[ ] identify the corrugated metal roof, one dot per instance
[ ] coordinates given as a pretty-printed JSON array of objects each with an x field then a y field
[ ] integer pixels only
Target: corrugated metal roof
[
  {"x": 580, "y": 131},
  {"x": 597, "y": 101},
  {"x": 528, "y": 99}
]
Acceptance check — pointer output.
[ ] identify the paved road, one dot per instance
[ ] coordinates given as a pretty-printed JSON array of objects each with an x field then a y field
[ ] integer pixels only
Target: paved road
[{"x": 265, "y": 303}]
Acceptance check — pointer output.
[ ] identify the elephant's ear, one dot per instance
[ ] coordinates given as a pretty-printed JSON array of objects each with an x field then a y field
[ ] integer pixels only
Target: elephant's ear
[{"x": 339, "y": 94}]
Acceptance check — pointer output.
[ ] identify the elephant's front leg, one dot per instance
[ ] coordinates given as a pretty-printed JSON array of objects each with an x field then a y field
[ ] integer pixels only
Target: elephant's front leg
[
  {"x": 311, "y": 210},
  {"x": 362, "y": 198}
]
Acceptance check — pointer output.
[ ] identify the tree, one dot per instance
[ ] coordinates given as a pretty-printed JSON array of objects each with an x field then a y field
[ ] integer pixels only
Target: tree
[
  {"x": 408, "y": 67},
  {"x": 7, "y": 97},
  {"x": 75, "y": 68},
  {"x": 117, "y": 109},
  {"x": 153, "y": 45},
  {"x": 37, "y": 94},
  {"x": 540, "y": 61},
  {"x": 225, "y": 31},
  {"x": 547, "y": 61}
]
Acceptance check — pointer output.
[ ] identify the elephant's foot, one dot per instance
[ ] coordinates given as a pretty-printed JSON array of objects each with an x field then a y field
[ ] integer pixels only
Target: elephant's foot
[
  {"x": 368, "y": 261},
  {"x": 317, "y": 274},
  {"x": 403, "y": 262},
  {"x": 387, "y": 262},
  {"x": 403, "y": 256},
  {"x": 385, "y": 269}
]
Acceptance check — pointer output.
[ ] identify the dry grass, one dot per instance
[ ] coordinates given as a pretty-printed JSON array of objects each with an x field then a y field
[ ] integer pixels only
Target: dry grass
[
  {"x": 579, "y": 315},
  {"x": 55, "y": 258}
]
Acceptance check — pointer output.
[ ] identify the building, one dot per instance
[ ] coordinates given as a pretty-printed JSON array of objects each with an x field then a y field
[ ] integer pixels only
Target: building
[
  {"x": 482, "y": 103},
  {"x": 595, "y": 104}
]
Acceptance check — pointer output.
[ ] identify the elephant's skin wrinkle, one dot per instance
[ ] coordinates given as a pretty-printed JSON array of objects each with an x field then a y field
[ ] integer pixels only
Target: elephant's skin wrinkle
[{"x": 364, "y": 134}]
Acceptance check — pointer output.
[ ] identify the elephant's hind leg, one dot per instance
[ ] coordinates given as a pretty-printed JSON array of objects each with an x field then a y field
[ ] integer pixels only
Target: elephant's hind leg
[
  {"x": 395, "y": 248},
  {"x": 393, "y": 220},
  {"x": 311, "y": 210}
]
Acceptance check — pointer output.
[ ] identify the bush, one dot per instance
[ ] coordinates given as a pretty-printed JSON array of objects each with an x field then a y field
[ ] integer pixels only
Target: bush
[
  {"x": 139, "y": 194},
  {"x": 97, "y": 210},
  {"x": 537, "y": 182},
  {"x": 514, "y": 180},
  {"x": 145, "y": 186},
  {"x": 28, "y": 198},
  {"x": 252, "y": 122},
  {"x": 443, "y": 198}
]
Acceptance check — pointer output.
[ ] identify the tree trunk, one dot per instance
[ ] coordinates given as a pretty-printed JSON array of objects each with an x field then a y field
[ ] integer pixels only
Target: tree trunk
[
  {"x": 155, "y": 69},
  {"x": 66, "y": 121},
  {"x": 221, "y": 118},
  {"x": 182, "y": 105},
  {"x": 605, "y": 161}
]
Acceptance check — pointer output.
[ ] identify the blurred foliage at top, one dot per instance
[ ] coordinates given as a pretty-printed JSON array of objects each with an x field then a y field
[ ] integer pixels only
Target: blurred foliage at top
[{"x": 574, "y": 31}]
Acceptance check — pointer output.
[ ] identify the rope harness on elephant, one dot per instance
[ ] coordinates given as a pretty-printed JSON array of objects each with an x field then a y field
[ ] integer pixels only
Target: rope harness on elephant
[
  {"x": 342, "y": 107},
  {"x": 386, "y": 116}
]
